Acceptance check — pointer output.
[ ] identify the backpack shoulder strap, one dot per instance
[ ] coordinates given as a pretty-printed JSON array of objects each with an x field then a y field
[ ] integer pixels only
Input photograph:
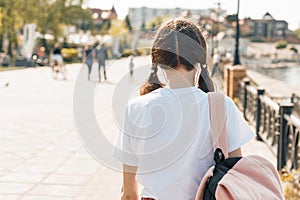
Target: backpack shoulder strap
[{"x": 218, "y": 121}]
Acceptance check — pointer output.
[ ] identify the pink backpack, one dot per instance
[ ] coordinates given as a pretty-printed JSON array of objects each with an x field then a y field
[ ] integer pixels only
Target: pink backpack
[{"x": 249, "y": 177}]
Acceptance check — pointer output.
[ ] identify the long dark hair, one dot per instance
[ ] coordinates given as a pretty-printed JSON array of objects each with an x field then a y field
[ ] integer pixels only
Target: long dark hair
[{"x": 178, "y": 42}]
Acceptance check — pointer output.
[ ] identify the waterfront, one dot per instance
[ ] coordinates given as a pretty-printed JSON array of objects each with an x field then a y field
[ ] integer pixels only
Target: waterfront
[{"x": 289, "y": 75}]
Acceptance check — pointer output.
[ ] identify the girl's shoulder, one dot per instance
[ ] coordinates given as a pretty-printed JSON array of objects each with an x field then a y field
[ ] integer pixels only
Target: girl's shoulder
[{"x": 145, "y": 100}]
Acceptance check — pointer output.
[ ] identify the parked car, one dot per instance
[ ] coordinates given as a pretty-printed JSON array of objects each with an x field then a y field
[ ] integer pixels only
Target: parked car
[{"x": 69, "y": 53}]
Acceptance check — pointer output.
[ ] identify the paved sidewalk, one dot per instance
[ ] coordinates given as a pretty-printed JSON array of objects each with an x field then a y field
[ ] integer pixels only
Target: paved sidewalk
[{"x": 41, "y": 156}]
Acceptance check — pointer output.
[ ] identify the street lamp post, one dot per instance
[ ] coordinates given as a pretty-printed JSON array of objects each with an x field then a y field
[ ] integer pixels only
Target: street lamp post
[
  {"x": 214, "y": 16},
  {"x": 208, "y": 27},
  {"x": 237, "y": 37}
]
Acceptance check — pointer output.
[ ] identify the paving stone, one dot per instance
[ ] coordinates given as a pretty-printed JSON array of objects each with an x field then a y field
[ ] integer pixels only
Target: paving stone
[
  {"x": 75, "y": 170},
  {"x": 14, "y": 188},
  {"x": 22, "y": 177},
  {"x": 66, "y": 180},
  {"x": 9, "y": 196},
  {"x": 55, "y": 190},
  {"x": 10, "y": 164},
  {"x": 35, "y": 168},
  {"x": 45, "y": 160},
  {"x": 44, "y": 197}
]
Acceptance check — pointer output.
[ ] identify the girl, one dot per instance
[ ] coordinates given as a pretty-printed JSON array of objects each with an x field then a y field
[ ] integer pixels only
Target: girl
[{"x": 166, "y": 144}]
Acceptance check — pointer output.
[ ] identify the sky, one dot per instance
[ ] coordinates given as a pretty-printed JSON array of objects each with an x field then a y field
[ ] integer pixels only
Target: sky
[{"x": 288, "y": 10}]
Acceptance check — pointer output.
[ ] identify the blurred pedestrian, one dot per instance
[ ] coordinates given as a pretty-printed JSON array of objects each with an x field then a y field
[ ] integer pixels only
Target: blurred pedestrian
[
  {"x": 5, "y": 59},
  {"x": 101, "y": 55},
  {"x": 229, "y": 55},
  {"x": 57, "y": 62},
  {"x": 131, "y": 65},
  {"x": 88, "y": 59},
  {"x": 56, "y": 58},
  {"x": 216, "y": 62},
  {"x": 80, "y": 52}
]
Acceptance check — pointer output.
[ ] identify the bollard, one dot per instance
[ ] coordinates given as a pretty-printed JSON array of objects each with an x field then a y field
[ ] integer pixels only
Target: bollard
[
  {"x": 285, "y": 109},
  {"x": 293, "y": 98},
  {"x": 260, "y": 91},
  {"x": 232, "y": 77},
  {"x": 226, "y": 79},
  {"x": 246, "y": 83}
]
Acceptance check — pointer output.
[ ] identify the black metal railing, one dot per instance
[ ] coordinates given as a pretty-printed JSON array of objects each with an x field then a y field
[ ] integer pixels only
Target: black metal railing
[
  {"x": 268, "y": 126},
  {"x": 291, "y": 132},
  {"x": 296, "y": 101},
  {"x": 274, "y": 122}
]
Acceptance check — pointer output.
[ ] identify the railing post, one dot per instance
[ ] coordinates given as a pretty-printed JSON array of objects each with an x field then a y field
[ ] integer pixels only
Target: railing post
[
  {"x": 260, "y": 91},
  {"x": 246, "y": 83},
  {"x": 285, "y": 109}
]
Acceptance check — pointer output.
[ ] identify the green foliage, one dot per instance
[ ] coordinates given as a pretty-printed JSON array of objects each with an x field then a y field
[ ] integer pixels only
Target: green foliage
[
  {"x": 118, "y": 27},
  {"x": 128, "y": 23},
  {"x": 49, "y": 15},
  {"x": 10, "y": 22},
  {"x": 297, "y": 33},
  {"x": 281, "y": 44},
  {"x": 230, "y": 18},
  {"x": 257, "y": 40},
  {"x": 143, "y": 26},
  {"x": 294, "y": 49},
  {"x": 154, "y": 23},
  {"x": 105, "y": 25},
  {"x": 52, "y": 17}
]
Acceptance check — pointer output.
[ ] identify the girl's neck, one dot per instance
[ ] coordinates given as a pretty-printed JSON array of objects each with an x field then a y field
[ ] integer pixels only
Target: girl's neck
[{"x": 180, "y": 77}]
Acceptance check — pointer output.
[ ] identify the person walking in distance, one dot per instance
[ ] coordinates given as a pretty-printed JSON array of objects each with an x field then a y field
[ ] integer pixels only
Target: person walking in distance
[
  {"x": 57, "y": 62},
  {"x": 216, "y": 62},
  {"x": 131, "y": 65},
  {"x": 57, "y": 58},
  {"x": 101, "y": 55},
  {"x": 88, "y": 59},
  {"x": 165, "y": 144}
]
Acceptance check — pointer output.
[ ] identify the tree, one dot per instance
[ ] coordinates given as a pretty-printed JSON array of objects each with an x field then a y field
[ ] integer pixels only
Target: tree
[
  {"x": 143, "y": 26},
  {"x": 128, "y": 23},
  {"x": 75, "y": 15},
  {"x": 231, "y": 18},
  {"x": 155, "y": 22},
  {"x": 297, "y": 33},
  {"x": 50, "y": 16},
  {"x": 10, "y": 22},
  {"x": 29, "y": 10},
  {"x": 118, "y": 27},
  {"x": 104, "y": 26}
]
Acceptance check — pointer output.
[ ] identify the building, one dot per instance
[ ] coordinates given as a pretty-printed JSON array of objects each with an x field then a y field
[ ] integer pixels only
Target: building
[
  {"x": 100, "y": 14},
  {"x": 265, "y": 28},
  {"x": 101, "y": 17},
  {"x": 138, "y": 16}
]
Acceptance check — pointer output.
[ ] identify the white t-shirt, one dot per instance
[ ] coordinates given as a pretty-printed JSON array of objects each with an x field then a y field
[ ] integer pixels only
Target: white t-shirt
[{"x": 167, "y": 134}]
